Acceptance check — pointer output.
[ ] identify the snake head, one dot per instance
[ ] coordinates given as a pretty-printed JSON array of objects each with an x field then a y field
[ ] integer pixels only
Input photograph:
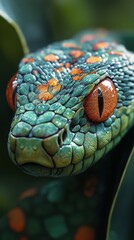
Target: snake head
[{"x": 73, "y": 102}]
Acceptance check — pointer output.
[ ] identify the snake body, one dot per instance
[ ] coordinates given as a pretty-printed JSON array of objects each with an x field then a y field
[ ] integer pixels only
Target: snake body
[{"x": 60, "y": 129}]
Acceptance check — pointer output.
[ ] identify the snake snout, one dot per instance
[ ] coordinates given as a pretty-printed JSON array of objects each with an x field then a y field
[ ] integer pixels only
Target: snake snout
[
  {"x": 40, "y": 156},
  {"x": 25, "y": 150}
]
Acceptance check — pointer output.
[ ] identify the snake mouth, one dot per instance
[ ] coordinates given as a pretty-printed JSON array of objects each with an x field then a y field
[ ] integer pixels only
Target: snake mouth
[
  {"x": 41, "y": 171},
  {"x": 40, "y": 157},
  {"x": 38, "y": 170}
]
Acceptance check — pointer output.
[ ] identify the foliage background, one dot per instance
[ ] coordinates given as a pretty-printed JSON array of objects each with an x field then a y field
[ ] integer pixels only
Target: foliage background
[{"x": 39, "y": 23}]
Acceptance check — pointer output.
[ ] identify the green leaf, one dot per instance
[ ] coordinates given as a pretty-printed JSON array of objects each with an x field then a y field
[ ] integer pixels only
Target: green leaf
[
  {"x": 121, "y": 214},
  {"x": 30, "y": 20},
  {"x": 23, "y": 26}
]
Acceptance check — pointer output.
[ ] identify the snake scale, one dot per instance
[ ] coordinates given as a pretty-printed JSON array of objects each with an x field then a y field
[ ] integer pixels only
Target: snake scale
[{"x": 73, "y": 103}]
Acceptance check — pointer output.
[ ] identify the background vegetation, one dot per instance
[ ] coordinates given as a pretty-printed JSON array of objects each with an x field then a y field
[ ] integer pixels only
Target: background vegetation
[{"x": 32, "y": 24}]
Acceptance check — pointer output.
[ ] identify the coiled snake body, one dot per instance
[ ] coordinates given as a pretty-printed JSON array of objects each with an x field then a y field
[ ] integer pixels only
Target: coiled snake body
[{"x": 73, "y": 101}]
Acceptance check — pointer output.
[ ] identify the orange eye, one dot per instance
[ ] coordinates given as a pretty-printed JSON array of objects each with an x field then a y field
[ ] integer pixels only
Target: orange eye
[
  {"x": 11, "y": 92},
  {"x": 101, "y": 102}
]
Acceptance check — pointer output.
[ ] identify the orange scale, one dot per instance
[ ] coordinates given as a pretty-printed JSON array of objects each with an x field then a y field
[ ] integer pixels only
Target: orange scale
[
  {"x": 56, "y": 88},
  {"x": 79, "y": 77},
  {"x": 100, "y": 45},
  {"x": 52, "y": 82},
  {"x": 116, "y": 53},
  {"x": 45, "y": 96},
  {"x": 85, "y": 233},
  {"x": 16, "y": 220},
  {"x": 28, "y": 60},
  {"x": 70, "y": 45},
  {"x": 93, "y": 59},
  {"x": 51, "y": 58},
  {"x": 43, "y": 87},
  {"x": 76, "y": 53},
  {"x": 75, "y": 71}
]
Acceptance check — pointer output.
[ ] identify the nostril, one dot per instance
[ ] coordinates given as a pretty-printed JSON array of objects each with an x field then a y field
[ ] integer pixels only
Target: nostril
[
  {"x": 64, "y": 135},
  {"x": 60, "y": 139}
]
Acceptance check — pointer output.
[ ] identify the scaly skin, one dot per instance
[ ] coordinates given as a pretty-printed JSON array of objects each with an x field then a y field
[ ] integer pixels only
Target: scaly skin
[
  {"x": 50, "y": 133},
  {"x": 52, "y": 136}
]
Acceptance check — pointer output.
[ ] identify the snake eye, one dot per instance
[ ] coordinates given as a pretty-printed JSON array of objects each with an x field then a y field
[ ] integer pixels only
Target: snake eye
[
  {"x": 101, "y": 102},
  {"x": 11, "y": 92}
]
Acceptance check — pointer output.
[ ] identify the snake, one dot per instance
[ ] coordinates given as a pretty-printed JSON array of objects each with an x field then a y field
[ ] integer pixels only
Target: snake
[{"x": 73, "y": 103}]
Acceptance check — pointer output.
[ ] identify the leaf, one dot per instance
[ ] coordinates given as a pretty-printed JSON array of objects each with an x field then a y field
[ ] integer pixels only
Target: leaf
[
  {"x": 121, "y": 215},
  {"x": 23, "y": 26},
  {"x": 29, "y": 18}
]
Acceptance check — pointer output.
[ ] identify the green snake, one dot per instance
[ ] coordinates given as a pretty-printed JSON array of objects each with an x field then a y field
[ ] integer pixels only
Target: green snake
[{"x": 73, "y": 102}]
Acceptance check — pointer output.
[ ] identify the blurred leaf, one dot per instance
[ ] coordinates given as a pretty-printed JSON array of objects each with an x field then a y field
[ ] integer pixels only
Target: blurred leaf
[
  {"x": 30, "y": 20},
  {"x": 121, "y": 216},
  {"x": 27, "y": 24},
  {"x": 23, "y": 24}
]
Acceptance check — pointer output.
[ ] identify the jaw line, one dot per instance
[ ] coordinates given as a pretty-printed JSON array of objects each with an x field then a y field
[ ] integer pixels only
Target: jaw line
[{"x": 35, "y": 152}]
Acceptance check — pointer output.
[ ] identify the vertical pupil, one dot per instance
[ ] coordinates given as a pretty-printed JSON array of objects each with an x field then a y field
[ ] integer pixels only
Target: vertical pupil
[{"x": 100, "y": 101}]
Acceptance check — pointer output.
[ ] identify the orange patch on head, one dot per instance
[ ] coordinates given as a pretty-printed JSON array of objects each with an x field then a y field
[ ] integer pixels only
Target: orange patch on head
[
  {"x": 28, "y": 60},
  {"x": 100, "y": 45},
  {"x": 16, "y": 220},
  {"x": 116, "y": 53},
  {"x": 75, "y": 71},
  {"x": 51, "y": 58},
  {"x": 90, "y": 186},
  {"x": 52, "y": 82},
  {"x": 93, "y": 59},
  {"x": 29, "y": 193},
  {"x": 76, "y": 53},
  {"x": 43, "y": 87},
  {"x": 44, "y": 96},
  {"x": 85, "y": 233},
  {"x": 86, "y": 38},
  {"x": 79, "y": 77},
  {"x": 46, "y": 89},
  {"x": 56, "y": 88},
  {"x": 70, "y": 45}
]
